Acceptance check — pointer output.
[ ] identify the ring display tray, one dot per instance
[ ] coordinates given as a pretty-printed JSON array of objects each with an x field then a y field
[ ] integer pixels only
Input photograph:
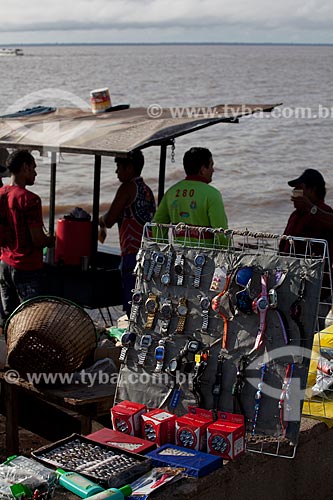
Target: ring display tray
[{"x": 106, "y": 465}]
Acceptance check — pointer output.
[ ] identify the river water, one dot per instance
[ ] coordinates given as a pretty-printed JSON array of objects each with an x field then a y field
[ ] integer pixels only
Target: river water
[{"x": 253, "y": 159}]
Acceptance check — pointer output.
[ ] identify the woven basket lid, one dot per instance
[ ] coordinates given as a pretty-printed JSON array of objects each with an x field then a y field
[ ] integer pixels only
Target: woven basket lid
[{"x": 49, "y": 335}]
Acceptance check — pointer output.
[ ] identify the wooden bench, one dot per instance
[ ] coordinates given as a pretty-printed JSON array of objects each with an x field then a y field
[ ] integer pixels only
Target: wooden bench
[{"x": 25, "y": 404}]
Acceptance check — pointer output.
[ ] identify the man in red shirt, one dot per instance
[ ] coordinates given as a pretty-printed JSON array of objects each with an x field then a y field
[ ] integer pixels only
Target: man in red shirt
[
  {"x": 308, "y": 198},
  {"x": 304, "y": 221},
  {"x": 22, "y": 236}
]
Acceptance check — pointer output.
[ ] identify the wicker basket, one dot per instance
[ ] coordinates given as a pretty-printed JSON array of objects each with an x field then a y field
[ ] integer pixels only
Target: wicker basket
[{"x": 49, "y": 335}]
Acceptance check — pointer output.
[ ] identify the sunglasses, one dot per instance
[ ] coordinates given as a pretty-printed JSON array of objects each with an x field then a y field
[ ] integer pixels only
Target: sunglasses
[{"x": 243, "y": 299}]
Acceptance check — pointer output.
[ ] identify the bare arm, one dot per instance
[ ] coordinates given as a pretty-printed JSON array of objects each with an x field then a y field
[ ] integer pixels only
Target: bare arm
[
  {"x": 124, "y": 197},
  {"x": 40, "y": 239}
]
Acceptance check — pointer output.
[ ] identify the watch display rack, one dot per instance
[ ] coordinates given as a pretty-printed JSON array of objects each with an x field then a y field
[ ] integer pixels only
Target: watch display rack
[{"x": 225, "y": 328}]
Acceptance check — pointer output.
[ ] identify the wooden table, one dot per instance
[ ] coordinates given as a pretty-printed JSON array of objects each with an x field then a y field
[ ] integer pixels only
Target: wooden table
[{"x": 78, "y": 401}]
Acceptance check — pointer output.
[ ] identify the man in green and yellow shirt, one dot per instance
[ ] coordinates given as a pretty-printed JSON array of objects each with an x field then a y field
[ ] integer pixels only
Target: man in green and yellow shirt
[{"x": 194, "y": 202}]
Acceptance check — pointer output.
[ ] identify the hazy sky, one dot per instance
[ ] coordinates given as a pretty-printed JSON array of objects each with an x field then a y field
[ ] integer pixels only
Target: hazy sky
[{"x": 39, "y": 21}]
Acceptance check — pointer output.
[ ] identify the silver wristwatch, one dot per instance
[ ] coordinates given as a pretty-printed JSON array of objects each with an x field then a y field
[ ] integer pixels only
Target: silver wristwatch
[
  {"x": 199, "y": 261},
  {"x": 179, "y": 268},
  {"x": 160, "y": 355},
  {"x": 166, "y": 313},
  {"x": 165, "y": 278},
  {"x": 159, "y": 259},
  {"x": 205, "y": 305},
  {"x": 145, "y": 343},
  {"x": 136, "y": 301},
  {"x": 127, "y": 339},
  {"x": 148, "y": 265}
]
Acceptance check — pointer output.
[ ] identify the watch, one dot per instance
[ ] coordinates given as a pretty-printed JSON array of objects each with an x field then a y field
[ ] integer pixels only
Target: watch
[
  {"x": 261, "y": 305},
  {"x": 182, "y": 310},
  {"x": 148, "y": 265},
  {"x": 151, "y": 308},
  {"x": 159, "y": 259},
  {"x": 127, "y": 339},
  {"x": 273, "y": 298},
  {"x": 179, "y": 268},
  {"x": 166, "y": 313},
  {"x": 138, "y": 258},
  {"x": 199, "y": 261},
  {"x": 165, "y": 278},
  {"x": 136, "y": 301},
  {"x": 205, "y": 305},
  {"x": 145, "y": 343},
  {"x": 314, "y": 210},
  {"x": 160, "y": 355}
]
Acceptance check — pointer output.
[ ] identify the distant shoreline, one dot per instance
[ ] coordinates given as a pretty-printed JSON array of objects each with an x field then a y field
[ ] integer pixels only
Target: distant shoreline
[{"x": 80, "y": 44}]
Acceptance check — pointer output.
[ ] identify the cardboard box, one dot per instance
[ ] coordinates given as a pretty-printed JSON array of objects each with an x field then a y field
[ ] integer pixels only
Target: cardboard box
[
  {"x": 108, "y": 352},
  {"x": 195, "y": 463},
  {"x": 120, "y": 440},
  {"x": 191, "y": 428},
  {"x": 158, "y": 426},
  {"x": 226, "y": 436},
  {"x": 125, "y": 417}
]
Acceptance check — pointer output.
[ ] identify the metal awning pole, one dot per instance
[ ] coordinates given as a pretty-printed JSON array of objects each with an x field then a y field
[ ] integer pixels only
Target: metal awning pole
[
  {"x": 52, "y": 192},
  {"x": 96, "y": 195},
  {"x": 161, "y": 177}
]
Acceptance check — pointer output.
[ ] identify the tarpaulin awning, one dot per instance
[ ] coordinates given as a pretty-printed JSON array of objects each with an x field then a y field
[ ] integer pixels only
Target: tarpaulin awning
[{"x": 115, "y": 133}]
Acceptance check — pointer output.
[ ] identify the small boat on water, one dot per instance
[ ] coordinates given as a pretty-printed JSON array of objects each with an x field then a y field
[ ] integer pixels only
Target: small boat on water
[{"x": 11, "y": 52}]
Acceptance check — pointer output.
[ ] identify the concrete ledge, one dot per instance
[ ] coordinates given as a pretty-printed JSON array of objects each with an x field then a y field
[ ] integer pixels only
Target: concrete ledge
[{"x": 261, "y": 477}]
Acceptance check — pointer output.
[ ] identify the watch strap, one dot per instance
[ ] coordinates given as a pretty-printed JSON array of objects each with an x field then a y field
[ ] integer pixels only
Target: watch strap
[
  {"x": 134, "y": 312},
  {"x": 123, "y": 353},
  {"x": 204, "y": 321},
  {"x": 197, "y": 276},
  {"x": 142, "y": 355},
  {"x": 165, "y": 326},
  {"x": 181, "y": 324},
  {"x": 150, "y": 321}
]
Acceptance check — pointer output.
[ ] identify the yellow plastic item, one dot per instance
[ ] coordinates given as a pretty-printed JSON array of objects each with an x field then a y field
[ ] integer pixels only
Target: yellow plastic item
[{"x": 318, "y": 407}]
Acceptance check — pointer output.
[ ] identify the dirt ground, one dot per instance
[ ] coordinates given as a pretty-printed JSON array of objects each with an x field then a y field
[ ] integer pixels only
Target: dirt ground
[{"x": 252, "y": 477}]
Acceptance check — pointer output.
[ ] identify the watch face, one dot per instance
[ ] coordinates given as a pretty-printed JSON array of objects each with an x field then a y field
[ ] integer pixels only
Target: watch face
[
  {"x": 199, "y": 260},
  {"x": 137, "y": 297},
  {"x": 166, "y": 311},
  {"x": 159, "y": 258},
  {"x": 205, "y": 303},
  {"x": 182, "y": 310},
  {"x": 273, "y": 298},
  {"x": 165, "y": 279},
  {"x": 179, "y": 268},
  {"x": 193, "y": 346},
  {"x": 151, "y": 305},
  {"x": 128, "y": 337},
  {"x": 159, "y": 353},
  {"x": 262, "y": 304},
  {"x": 145, "y": 341},
  {"x": 173, "y": 365}
]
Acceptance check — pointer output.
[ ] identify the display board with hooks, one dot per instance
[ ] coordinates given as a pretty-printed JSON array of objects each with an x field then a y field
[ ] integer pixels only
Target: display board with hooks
[{"x": 222, "y": 320}]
